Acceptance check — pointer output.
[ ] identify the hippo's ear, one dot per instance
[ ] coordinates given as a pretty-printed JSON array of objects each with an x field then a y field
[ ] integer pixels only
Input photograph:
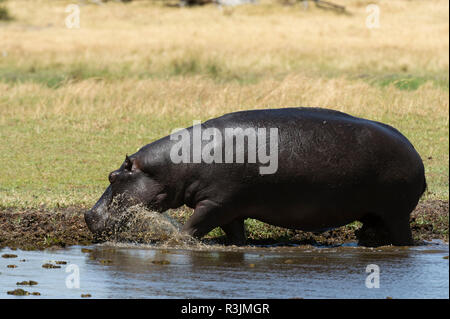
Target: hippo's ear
[{"x": 128, "y": 163}]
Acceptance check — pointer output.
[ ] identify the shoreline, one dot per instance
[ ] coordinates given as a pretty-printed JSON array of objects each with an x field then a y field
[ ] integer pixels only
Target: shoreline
[{"x": 32, "y": 229}]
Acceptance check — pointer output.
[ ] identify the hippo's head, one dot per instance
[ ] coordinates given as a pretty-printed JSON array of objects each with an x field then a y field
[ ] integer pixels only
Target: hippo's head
[{"x": 129, "y": 186}]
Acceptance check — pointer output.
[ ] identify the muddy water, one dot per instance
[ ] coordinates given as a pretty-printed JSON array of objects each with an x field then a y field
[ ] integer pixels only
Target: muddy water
[{"x": 136, "y": 271}]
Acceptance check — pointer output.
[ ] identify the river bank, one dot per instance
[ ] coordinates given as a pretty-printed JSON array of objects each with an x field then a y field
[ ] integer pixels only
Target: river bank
[{"x": 30, "y": 229}]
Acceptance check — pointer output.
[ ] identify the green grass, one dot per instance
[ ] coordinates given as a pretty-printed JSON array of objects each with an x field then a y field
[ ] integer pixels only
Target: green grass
[
  {"x": 408, "y": 82},
  {"x": 56, "y": 75},
  {"x": 59, "y": 164},
  {"x": 65, "y": 161}
]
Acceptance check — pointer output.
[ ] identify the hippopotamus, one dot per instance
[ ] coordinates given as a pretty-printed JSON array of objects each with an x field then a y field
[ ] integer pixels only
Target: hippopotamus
[{"x": 325, "y": 169}]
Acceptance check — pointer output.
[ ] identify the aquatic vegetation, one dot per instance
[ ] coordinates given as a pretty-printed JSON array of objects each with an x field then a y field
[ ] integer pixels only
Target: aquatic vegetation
[
  {"x": 27, "y": 283},
  {"x": 9, "y": 256},
  {"x": 18, "y": 292},
  {"x": 50, "y": 266}
]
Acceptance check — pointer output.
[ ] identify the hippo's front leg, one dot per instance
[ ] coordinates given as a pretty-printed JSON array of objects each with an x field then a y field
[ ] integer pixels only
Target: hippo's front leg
[
  {"x": 235, "y": 231},
  {"x": 205, "y": 218},
  {"x": 209, "y": 215}
]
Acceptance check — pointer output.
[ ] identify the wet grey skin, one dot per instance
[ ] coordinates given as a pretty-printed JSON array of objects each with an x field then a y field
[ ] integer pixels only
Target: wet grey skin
[{"x": 333, "y": 169}]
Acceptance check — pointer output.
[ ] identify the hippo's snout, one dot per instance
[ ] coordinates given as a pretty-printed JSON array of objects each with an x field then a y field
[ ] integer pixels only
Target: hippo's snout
[
  {"x": 96, "y": 217},
  {"x": 94, "y": 221}
]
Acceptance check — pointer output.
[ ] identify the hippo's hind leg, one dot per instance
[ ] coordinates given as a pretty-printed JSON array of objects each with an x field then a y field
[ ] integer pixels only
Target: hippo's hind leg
[
  {"x": 373, "y": 232},
  {"x": 235, "y": 231},
  {"x": 399, "y": 230},
  {"x": 396, "y": 221},
  {"x": 385, "y": 228}
]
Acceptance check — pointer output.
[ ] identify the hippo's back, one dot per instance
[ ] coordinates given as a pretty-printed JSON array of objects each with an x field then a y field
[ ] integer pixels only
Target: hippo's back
[{"x": 318, "y": 142}]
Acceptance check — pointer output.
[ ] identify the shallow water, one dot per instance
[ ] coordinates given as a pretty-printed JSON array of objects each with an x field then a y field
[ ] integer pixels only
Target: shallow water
[{"x": 128, "y": 271}]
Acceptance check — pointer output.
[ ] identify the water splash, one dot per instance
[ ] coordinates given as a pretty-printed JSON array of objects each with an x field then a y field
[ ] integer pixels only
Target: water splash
[{"x": 138, "y": 224}]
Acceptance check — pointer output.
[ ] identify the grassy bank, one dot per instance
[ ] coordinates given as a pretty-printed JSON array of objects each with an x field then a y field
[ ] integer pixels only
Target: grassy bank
[
  {"x": 73, "y": 102},
  {"x": 61, "y": 227}
]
